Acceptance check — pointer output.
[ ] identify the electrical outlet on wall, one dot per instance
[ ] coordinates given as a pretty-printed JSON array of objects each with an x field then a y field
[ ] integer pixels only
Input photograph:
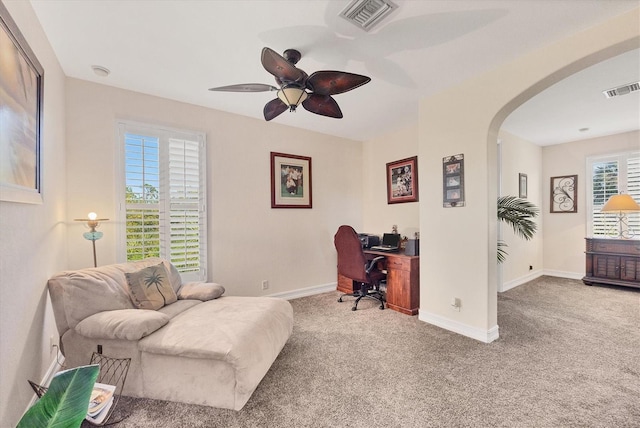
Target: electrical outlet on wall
[
  {"x": 53, "y": 346},
  {"x": 455, "y": 304},
  {"x": 265, "y": 284}
]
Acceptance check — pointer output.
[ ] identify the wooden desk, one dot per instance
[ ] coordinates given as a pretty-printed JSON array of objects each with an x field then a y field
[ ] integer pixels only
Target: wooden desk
[{"x": 403, "y": 281}]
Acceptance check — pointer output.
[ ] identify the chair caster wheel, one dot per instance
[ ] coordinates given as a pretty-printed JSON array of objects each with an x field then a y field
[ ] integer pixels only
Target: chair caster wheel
[
  {"x": 381, "y": 307},
  {"x": 340, "y": 300},
  {"x": 354, "y": 308}
]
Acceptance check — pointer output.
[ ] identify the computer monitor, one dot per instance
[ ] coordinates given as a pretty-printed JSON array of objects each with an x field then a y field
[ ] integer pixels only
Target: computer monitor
[{"x": 391, "y": 239}]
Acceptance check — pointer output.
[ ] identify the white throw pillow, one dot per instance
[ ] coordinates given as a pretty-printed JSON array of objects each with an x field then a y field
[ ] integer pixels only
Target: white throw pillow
[{"x": 200, "y": 291}]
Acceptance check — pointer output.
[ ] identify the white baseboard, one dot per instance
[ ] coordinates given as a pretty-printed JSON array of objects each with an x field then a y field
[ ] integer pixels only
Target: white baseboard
[
  {"x": 485, "y": 336},
  {"x": 519, "y": 281},
  {"x": 309, "y": 291},
  {"x": 562, "y": 274},
  {"x": 54, "y": 368}
]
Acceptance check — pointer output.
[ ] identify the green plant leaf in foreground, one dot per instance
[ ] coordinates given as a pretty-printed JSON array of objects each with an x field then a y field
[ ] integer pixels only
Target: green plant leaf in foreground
[
  {"x": 517, "y": 213},
  {"x": 65, "y": 403}
]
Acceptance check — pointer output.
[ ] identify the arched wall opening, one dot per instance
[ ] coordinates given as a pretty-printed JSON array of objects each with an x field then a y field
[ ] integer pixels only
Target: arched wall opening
[{"x": 459, "y": 244}]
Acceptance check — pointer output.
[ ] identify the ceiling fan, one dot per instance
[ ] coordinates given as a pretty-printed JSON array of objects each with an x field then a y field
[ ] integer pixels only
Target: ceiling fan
[{"x": 295, "y": 86}]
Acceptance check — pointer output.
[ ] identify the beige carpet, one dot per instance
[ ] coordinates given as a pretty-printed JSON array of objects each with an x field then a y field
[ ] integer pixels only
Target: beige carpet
[{"x": 568, "y": 356}]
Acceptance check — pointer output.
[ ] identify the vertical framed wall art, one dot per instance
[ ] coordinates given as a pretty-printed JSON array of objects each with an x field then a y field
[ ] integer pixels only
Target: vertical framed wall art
[
  {"x": 564, "y": 194},
  {"x": 21, "y": 89},
  {"x": 453, "y": 181},
  {"x": 402, "y": 181},
  {"x": 522, "y": 185},
  {"x": 290, "y": 181}
]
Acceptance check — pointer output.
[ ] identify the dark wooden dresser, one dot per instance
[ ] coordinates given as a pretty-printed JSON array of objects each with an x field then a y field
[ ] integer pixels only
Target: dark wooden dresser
[{"x": 613, "y": 261}]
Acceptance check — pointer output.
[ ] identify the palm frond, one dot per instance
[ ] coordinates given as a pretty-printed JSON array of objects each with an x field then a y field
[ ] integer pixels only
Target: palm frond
[
  {"x": 518, "y": 213},
  {"x": 502, "y": 254}
]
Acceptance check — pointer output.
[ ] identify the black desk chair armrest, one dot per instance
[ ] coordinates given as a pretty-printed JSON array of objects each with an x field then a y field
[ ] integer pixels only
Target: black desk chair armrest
[{"x": 373, "y": 263}]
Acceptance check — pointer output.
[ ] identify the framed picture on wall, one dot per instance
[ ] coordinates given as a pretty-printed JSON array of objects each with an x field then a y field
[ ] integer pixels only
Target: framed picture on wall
[
  {"x": 564, "y": 194},
  {"x": 21, "y": 89},
  {"x": 522, "y": 185},
  {"x": 402, "y": 181},
  {"x": 290, "y": 181},
  {"x": 453, "y": 181}
]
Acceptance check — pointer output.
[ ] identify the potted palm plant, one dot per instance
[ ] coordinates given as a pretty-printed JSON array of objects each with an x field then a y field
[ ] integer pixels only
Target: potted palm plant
[{"x": 517, "y": 213}]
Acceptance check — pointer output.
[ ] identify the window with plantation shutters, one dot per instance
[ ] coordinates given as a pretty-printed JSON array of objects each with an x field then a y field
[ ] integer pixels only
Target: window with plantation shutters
[
  {"x": 611, "y": 175},
  {"x": 164, "y": 207}
]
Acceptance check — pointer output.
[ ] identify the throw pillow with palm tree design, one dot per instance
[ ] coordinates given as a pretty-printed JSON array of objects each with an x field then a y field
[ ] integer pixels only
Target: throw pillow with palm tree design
[{"x": 150, "y": 287}]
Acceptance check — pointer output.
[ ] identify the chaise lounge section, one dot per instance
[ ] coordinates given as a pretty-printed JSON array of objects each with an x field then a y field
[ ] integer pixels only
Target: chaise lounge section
[{"x": 203, "y": 348}]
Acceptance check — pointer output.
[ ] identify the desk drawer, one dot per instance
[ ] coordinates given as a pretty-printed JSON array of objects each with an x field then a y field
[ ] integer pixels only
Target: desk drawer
[
  {"x": 631, "y": 247},
  {"x": 399, "y": 263}
]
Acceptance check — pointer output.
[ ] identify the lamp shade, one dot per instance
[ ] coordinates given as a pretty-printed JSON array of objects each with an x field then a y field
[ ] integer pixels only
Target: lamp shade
[
  {"x": 292, "y": 96},
  {"x": 621, "y": 203}
]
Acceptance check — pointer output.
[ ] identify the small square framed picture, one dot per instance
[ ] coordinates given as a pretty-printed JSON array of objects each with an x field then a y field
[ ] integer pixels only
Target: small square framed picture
[{"x": 522, "y": 185}]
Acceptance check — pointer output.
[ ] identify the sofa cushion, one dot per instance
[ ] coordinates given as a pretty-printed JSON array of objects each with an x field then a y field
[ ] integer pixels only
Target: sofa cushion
[
  {"x": 200, "y": 291},
  {"x": 78, "y": 294},
  {"x": 127, "y": 324},
  {"x": 239, "y": 330},
  {"x": 150, "y": 287},
  {"x": 178, "y": 307}
]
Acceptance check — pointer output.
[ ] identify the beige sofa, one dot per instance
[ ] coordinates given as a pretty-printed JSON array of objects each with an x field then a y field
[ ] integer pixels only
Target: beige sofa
[{"x": 212, "y": 352}]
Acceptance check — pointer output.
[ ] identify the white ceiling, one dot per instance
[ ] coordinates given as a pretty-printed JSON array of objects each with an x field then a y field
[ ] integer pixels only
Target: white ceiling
[{"x": 179, "y": 49}]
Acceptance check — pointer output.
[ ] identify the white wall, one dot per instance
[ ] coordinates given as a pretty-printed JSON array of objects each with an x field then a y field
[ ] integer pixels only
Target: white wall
[
  {"x": 379, "y": 216},
  {"x": 521, "y": 156},
  {"x": 248, "y": 240},
  {"x": 460, "y": 258},
  {"x": 32, "y": 243},
  {"x": 564, "y": 233}
]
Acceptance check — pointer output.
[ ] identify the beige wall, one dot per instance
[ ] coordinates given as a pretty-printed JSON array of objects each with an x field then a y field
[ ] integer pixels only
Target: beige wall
[
  {"x": 521, "y": 156},
  {"x": 379, "y": 216},
  {"x": 460, "y": 258},
  {"x": 564, "y": 233},
  {"x": 32, "y": 243},
  {"x": 248, "y": 241},
  {"x": 291, "y": 248}
]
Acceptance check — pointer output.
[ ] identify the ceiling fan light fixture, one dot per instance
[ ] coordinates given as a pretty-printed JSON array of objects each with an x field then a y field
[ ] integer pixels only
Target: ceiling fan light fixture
[{"x": 292, "y": 96}]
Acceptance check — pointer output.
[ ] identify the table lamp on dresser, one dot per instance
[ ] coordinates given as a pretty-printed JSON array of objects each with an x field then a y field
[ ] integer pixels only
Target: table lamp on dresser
[{"x": 621, "y": 204}]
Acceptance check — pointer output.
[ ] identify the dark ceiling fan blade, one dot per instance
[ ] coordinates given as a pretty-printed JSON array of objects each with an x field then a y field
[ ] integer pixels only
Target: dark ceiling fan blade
[
  {"x": 273, "y": 108},
  {"x": 335, "y": 82},
  {"x": 280, "y": 67},
  {"x": 245, "y": 87},
  {"x": 323, "y": 105}
]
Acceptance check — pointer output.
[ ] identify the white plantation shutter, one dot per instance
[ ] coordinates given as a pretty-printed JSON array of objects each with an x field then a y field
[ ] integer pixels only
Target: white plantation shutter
[
  {"x": 611, "y": 175},
  {"x": 165, "y": 197},
  {"x": 633, "y": 188},
  {"x": 185, "y": 205}
]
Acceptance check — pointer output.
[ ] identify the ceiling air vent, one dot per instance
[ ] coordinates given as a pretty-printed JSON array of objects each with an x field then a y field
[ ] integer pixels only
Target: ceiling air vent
[
  {"x": 366, "y": 14},
  {"x": 622, "y": 90}
]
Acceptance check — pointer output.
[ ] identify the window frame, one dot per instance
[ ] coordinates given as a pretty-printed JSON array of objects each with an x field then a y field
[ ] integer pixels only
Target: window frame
[
  {"x": 623, "y": 159},
  {"x": 164, "y": 134}
]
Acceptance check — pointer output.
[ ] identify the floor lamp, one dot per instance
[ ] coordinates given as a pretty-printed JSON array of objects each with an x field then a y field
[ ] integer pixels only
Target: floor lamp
[
  {"x": 93, "y": 222},
  {"x": 622, "y": 204}
]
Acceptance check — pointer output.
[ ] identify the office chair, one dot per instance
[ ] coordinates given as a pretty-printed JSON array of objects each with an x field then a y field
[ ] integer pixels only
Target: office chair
[{"x": 353, "y": 264}]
